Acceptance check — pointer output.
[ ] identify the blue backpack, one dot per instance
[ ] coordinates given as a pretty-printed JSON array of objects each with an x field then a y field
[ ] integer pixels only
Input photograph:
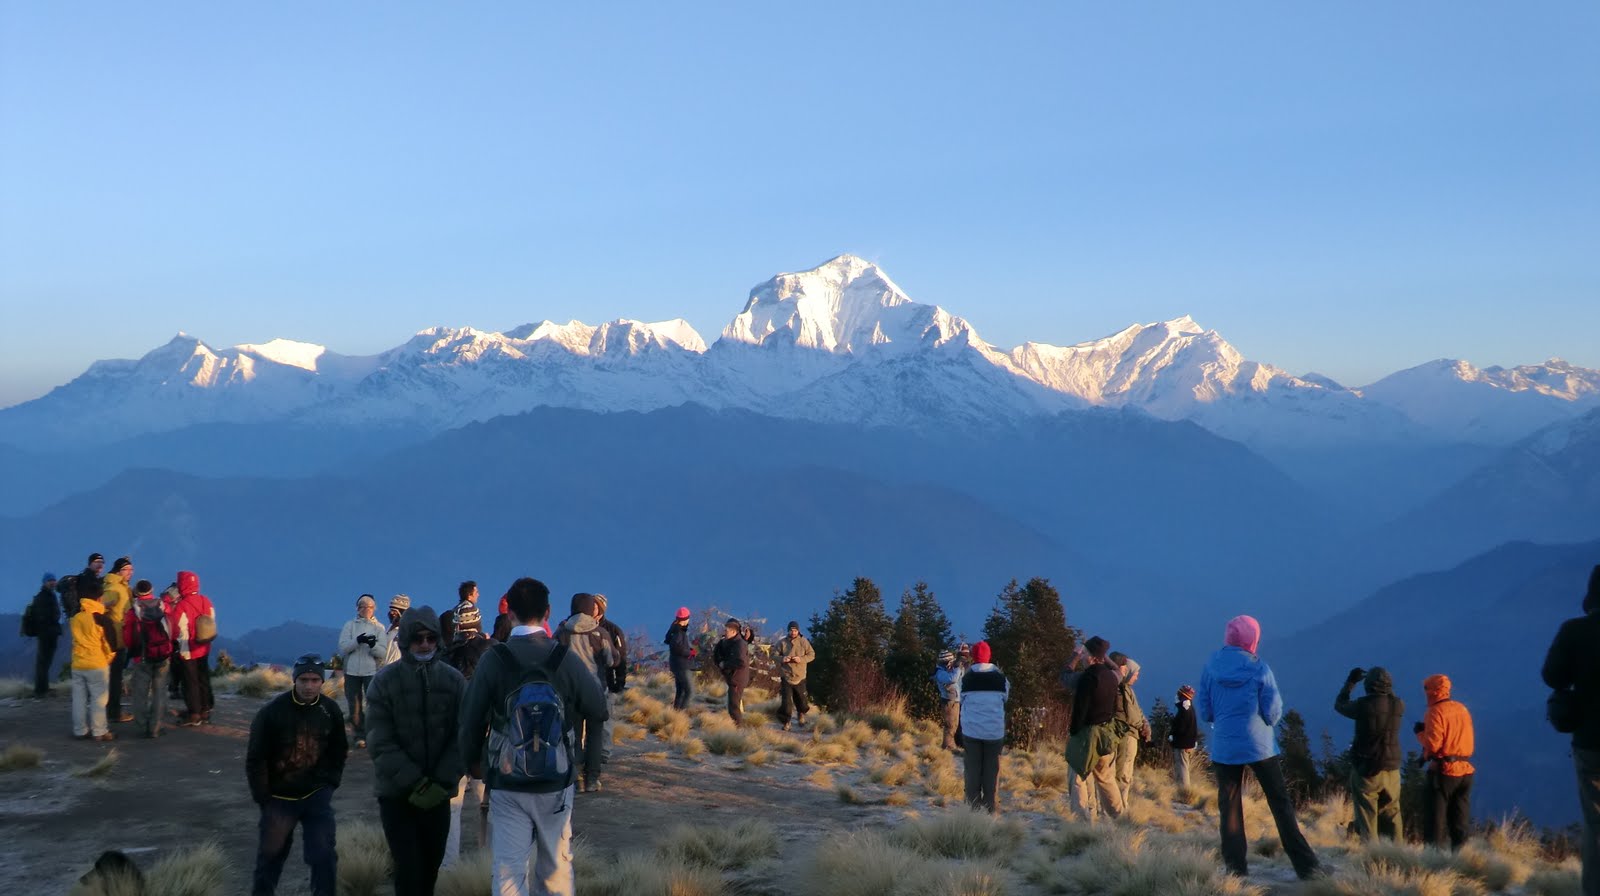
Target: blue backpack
[{"x": 529, "y": 745}]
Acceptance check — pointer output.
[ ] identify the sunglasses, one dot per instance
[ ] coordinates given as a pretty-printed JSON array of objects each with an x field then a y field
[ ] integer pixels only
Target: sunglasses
[{"x": 425, "y": 638}]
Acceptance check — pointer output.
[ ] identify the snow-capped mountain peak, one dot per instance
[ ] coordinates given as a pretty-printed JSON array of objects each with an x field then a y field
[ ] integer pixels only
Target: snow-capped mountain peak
[
  {"x": 287, "y": 352},
  {"x": 846, "y": 306}
]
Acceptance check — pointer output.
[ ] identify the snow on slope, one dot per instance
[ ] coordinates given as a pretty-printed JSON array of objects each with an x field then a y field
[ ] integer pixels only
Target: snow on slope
[
  {"x": 1494, "y": 405},
  {"x": 840, "y": 343}
]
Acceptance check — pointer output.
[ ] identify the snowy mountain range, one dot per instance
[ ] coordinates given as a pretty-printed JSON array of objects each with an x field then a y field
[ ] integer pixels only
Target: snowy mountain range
[{"x": 837, "y": 343}]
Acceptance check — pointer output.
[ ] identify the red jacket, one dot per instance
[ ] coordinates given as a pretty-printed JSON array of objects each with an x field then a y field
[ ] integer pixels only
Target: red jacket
[{"x": 191, "y": 606}]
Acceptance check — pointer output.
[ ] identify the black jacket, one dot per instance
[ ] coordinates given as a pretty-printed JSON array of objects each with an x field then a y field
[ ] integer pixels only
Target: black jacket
[
  {"x": 680, "y": 653},
  {"x": 1574, "y": 662},
  {"x": 413, "y": 714},
  {"x": 464, "y": 655},
  {"x": 732, "y": 656},
  {"x": 44, "y": 615},
  {"x": 1095, "y": 701},
  {"x": 1184, "y": 734},
  {"x": 295, "y": 748},
  {"x": 616, "y": 677},
  {"x": 1378, "y": 715}
]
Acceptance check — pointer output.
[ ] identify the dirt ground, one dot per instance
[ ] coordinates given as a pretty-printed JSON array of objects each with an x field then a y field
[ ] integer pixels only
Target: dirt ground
[{"x": 189, "y": 786}]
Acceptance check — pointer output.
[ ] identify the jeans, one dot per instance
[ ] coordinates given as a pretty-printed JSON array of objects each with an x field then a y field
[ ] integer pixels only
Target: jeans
[
  {"x": 1447, "y": 807},
  {"x": 149, "y": 695},
  {"x": 1181, "y": 761},
  {"x": 605, "y": 728},
  {"x": 416, "y": 841},
  {"x": 532, "y": 843},
  {"x": 1230, "y": 806},
  {"x": 1376, "y": 799},
  {"x": 355, "y": 697},
  {"x": 89, "y": 701},
  {"x": 982, "y": 766},
  {"x": 119, "y": 661},
  {"x": 41, "y": 664},
  {"x": 795, "y": 700},
  {"x": 682, "y": 688},
  {"x": 452, "y": 844},
  {"x": 1587, "y": 763},
  {"x": 736, "y": 702},
  {"x": 314, "y": 814}
]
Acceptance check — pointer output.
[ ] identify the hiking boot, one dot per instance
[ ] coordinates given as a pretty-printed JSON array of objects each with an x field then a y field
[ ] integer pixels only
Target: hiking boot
[
  {"x": 190, "y": 722},
  {"x": 361, "y": 743},
  {"x": 786, "y": 726},
  {"x": 80, "y": 737},
  {"x": 105, "y": 737},
  {"x": 125, "y": 717},
  {"x": 592, "y": 786}
]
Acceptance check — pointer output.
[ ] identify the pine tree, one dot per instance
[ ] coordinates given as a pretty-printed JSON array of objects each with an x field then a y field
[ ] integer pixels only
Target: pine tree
[
  {"x": 1028, "y": 633},
  {"x": 920, "y": 632},
  {"x": 851, "y": 639},
  {"x": 1299, "y": 768}
]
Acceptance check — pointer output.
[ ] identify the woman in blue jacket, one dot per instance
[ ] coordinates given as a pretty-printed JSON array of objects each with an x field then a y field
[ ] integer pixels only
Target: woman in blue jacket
[{"x": 1239, "y": 699}]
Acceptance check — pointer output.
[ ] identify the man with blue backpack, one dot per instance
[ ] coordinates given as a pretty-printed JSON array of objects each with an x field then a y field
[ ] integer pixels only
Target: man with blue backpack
[{"x": 517, "y": 722}]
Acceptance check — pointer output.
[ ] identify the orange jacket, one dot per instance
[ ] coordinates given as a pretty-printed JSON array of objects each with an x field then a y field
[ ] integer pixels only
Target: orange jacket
[{"x": 1446, "y": 729}]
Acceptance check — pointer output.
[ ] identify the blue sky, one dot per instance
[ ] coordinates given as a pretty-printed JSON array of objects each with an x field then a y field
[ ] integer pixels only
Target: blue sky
[{"x": 1351, "y": 190}]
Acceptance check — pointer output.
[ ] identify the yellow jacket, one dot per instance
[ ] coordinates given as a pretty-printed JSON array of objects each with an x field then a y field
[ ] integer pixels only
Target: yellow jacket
[
  {"x": 89, "y": 647},
  {"x": 117, "y": 598}
]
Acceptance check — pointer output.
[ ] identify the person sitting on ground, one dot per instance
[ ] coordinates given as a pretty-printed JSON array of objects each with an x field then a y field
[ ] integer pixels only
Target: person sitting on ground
[
  {"x": 984, "y": 690},
  {"x": 1238, "y": 696}
]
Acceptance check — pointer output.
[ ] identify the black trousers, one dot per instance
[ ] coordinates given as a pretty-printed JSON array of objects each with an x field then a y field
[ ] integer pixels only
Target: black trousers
[
  {"x": 41, "y": 664},
  {"x": 736, "y": 700},
  {"x": 119, "y": 662},
  {"x": 197, "y": 696},
  {"x": 1448, "y": 808},
  {"x": 416, "y": 841},
  {"x": 1230, "y": 805},
  {"x": 794, "y": 699}
]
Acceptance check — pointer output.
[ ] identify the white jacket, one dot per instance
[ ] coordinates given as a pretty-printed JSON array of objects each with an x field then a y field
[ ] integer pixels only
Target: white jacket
[{"x": 359, "y": 659}]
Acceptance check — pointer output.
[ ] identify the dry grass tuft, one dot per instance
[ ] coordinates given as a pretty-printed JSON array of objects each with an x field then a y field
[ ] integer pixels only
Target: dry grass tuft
[
  {"x": 262, "y": 682},
  {"x": 20, "y": 756},
  {"x": 117, "y": 884},
  {"x": 830, "y": 753},
  {"x": 1566, "y": 880},
  {"x": 1382, "y": 879},
  {"x": 364, "y": 862},
  {"x": 821, "y": 778},
  {"x": 894, "y": 775},
  {"x": 1073, "y": 838},
  {"x": 1131, "y": 865},
  {"x": 645, "y": 874},
  {"x": 692, "y": 747},
  {"x": 473, "y": 875},
  {"x": 866, "y": 863},
  {"x": 99, "y": 769},
  {"x": 729, "y": 743},
  {"x": 15, "y": 688},
  {"x": 202, "y": 871},
  {"x": 960, "y": 834},
  {"x": 721, "y": 847}
]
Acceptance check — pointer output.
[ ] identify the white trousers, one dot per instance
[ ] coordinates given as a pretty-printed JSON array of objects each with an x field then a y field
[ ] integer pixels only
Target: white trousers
[
  {"x": 90, "y": 690},
  {"x": 452, "y": 845},
  {"x": 532, "y": 842}
]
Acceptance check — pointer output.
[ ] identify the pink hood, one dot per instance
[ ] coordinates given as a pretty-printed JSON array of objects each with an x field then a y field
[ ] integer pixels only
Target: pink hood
[{"x": 1243, "y": 631}]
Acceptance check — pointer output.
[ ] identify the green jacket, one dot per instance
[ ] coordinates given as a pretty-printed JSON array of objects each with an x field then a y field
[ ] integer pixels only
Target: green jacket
[{"x": 798, "y": 649}]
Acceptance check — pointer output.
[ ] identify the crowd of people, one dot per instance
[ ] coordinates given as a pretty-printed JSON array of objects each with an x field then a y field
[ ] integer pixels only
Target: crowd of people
[{"x": 524, "y": 712}]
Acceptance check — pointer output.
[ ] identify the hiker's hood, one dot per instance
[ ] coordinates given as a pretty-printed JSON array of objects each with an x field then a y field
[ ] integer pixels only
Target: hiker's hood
[
  {"x": 1437, "y": 687},
  {"x": 579, "y": 623},
  {"x": 1235, "y": 667},
  {"x": 412, "y": 621},
  {"x": 188, "y": 583},
  {"x": 1378, "y": 681}
]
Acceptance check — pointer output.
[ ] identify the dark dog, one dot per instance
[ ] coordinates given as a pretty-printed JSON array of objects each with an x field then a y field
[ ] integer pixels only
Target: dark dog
[{"x": 116, "y": 873}]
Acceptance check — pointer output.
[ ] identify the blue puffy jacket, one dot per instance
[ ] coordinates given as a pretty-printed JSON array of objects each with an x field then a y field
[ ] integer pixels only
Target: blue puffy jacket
[{"x": 1239, "y": 699}]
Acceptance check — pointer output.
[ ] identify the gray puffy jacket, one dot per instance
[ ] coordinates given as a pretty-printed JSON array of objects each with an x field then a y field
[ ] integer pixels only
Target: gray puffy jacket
[{"x": 413, "y": 716}]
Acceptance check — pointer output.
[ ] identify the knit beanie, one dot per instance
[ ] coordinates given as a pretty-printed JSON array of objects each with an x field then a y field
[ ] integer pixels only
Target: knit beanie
[
  {"x": 683, "y": 613},
  {"x": 1243, "y": 631},
  {"x": 93, "y": 557},
  {"x": 120, "y": 564},
  {"x": 142, "y": 588},
  {"x": 599, "y": 605},
  {"x": 1186, "y": 693},
  {"x": 401, "y": 602},
  {"x": 365, "y": 600},
  {"x": 48, "y": 578},
  {"x": 309, "y": 663},
  {"x": 980, "y": 652}
]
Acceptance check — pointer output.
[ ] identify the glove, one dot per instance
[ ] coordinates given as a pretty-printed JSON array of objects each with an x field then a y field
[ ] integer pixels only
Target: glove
[
  {"x": 370, "y": 640},
  {"x": 1355, "y": 675},
  {"x": 1418, "y": 728},
  {"x": 427, "y": 795}
]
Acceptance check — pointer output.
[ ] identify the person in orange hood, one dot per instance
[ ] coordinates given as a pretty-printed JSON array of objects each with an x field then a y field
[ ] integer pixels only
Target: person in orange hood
[{"x": 1446, "y": 737}]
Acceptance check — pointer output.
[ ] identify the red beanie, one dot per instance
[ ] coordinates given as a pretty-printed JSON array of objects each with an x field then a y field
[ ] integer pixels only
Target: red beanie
[{"x": 980, "y": 652}]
